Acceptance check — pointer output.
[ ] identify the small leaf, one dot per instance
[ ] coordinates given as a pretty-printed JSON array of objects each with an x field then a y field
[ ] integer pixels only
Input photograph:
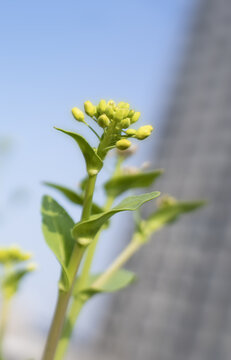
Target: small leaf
[
  {"x": 85, "y": 231},
  {"x": 83, "y": 183},
  {"x": 12, "y": 281},
  {"x": 73, "y": 196},
  {"x": 169, "y": 214},
  {"x": 119, "y": 184},
  {"x": 93, "y": 161},
  {"x": 57, "y": 226},
  {"x": 118, "y": 281}
]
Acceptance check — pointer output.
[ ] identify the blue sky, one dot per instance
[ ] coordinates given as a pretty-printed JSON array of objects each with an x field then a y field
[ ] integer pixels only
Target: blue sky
[{"x": 55, "y": 55}]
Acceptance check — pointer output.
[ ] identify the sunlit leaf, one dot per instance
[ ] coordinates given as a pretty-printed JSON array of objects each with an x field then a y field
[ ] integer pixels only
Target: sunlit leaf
[
  {"x": 73, "y": 196},
  {"x": 57, "y": 226},
  {"x": 93, "y": 161},
  {"x": 118, "y": 281},
  {"x": 119, "y": 184},
  {"x": 169, "y": 214},
  {"x": 85, "y": 231}
]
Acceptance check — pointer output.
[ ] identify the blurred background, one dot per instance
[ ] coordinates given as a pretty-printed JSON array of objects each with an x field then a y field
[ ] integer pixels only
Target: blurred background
[{"x": 170, "y": 60}]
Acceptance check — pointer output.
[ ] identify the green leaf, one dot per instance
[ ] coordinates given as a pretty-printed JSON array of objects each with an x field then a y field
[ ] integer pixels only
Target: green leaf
[
  {"x": 118, "y": 281},
  {"x": 119, "y": 184},
  {"x": 85, "y": 231},
  {"x": 73, "y": 196},
  {"x": 93, "y": 161},
  {"x": 83, "y": 183},
  {"x": 169, "y": 214},
  {"x": 12, "y": 281},
  {"x": 57, "y": 226}
]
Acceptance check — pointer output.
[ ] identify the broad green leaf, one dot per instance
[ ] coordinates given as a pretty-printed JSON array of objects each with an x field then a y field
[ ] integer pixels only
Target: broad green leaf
[
  {"x": 118, "y": 281},
  {"x": 57, "y": 226},
  {"x": 119, "y": 184},
  {"x": 84, "y": 231},
  {"x": 93, "y": 161},
  {"x": 169, "y": 214},
  {"x": 73, "y": 196}
]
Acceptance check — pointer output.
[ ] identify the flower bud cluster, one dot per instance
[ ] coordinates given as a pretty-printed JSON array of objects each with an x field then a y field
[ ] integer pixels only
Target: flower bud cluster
[
  {"x": 115, "y": 120},
  {"x": 13, "y": 254}
]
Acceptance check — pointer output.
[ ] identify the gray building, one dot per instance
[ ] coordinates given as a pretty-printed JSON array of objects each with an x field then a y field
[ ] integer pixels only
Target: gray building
[{"x": 181, "y": 307}]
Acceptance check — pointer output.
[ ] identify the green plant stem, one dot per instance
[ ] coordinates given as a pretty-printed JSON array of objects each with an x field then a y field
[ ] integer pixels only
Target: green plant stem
[
  {"x": 88, "y": 197},
  {"x": 93, "y": 131},
  {"x": 78, "y": 302},
  {"x": 60, "y": 311},
  {"x": 73, "y": 314},
  {"x": 91, "y": 250},
  {"x": 125, "y": 255},
  {"x": 88, "y": 261},
  {"x": 3, "y": 323},
  {"x": 64, "y": 297}
]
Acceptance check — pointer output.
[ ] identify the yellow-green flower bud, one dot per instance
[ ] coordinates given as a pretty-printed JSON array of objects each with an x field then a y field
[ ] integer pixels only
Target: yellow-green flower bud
[
  {"x": 125, "y": 123},
  {"x": 13, "y": 254},
  {"x": 112, "y": 103},
  {"x": 123, "y": 105},
  {"x": 131, "y": 113},
  {"x": 128, "y": 152},
  {"x": 125, "y": 112},
  {"x": 109, "y": 111},
  {"x": 123, "y": 144},
  {"x": 89, "y": 108},
  {"x": 32, "y": 266},
  {"x": 120, "y": 114},
  {"x": 131, "y": 132},
  {"x": 102, "y": 106},
  {"x": 166, "y": 200},
  {"x": 135, "y": 117},
  {"x": 78, "y": 114},
  {"x": 143, "y": 132},
  {"x": 103, "y": 121}
]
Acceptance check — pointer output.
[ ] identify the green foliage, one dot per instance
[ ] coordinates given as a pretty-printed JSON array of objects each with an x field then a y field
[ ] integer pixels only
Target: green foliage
[
  {"x": 93, "y": 161},
  {"x": 14, "y": 268},
  {"x": 169, "y": 214},
  {"x": 119, "y": 280},
  {"x": 122, "y": 183},
  {"x": 84, "y": 231},
  {"x": 73, "y": 196},
  {"x": 69, "y": 241},
  {"x": 12, "y": 255},
  {"x": 57, "y": 226},
  {"x": 12, "y": 281}
]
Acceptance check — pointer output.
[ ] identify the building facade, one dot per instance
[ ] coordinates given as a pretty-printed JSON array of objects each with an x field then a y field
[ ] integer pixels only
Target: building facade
[{"x": 181, "y": 307}]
